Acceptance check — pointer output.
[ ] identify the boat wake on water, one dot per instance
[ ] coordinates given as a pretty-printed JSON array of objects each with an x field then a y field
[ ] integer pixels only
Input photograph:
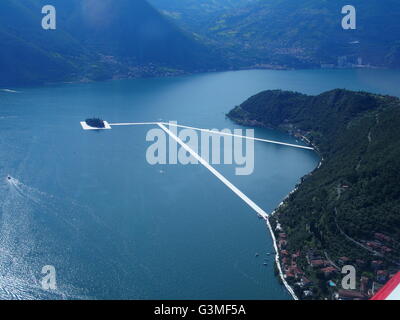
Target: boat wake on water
[
  {"x": 9, "y": 91},
  {"x": 31, "y": 223}
]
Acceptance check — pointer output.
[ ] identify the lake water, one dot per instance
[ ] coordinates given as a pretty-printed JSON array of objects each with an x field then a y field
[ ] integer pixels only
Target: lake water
[{"x": 115, "y": 227}]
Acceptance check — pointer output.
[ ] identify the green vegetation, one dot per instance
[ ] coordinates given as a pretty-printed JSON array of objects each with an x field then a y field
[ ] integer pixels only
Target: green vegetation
[
  {"x": 95, "y": 123},
  {"x": 350, "y": 206},
  {"x": 90, "y": 44},
  {"x": 94, "y": 41},
  {"x": 308, "y": 33},
  {"x": 292, "y": 33},
  {"x": 195, "y": 14}
]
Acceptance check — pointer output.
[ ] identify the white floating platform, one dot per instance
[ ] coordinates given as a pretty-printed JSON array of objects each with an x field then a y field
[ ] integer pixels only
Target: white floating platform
[{"x": 86, "y": 127}]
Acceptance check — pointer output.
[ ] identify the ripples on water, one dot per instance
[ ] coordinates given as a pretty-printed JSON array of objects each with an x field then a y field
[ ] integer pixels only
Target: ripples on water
[
  {"x": 139, "y": 252},
  {"x": 25, "y": 238}
]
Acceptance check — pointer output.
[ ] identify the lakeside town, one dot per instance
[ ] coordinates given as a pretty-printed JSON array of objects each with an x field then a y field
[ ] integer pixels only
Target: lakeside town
[{"x": 314, "y": 275}]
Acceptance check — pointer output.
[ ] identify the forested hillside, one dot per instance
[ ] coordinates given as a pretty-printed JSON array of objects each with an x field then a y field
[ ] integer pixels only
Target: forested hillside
[
  {"x": 94, "y": 40},
  {"x": 309, "y": 33},
  {"x": 292, "y": 33},
  {"x": 348, "y": 205},
  {"x": 195, "y": 14},
  {"x": 97, "y": 40}
]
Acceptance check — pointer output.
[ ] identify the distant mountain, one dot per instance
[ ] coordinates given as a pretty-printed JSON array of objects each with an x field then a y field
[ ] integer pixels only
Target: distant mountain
[
  {"x": 355, "y": 193},
  {"x": 309, "y": 33},
  {"x": 28, "y": 54},
  {"x": 195, "y": 14},
  {"x": 94, "y": 40},
  {"x": 107, "y": 39}
]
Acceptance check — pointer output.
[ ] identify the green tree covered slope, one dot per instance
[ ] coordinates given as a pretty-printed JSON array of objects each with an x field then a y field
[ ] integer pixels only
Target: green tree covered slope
[
  {"x": 93, "y": 40},
  {"x": 356, "y": 190},
  {"x": 308, "y": 33}
]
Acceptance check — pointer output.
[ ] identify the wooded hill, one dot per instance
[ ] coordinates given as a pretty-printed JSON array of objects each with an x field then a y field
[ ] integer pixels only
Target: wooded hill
[{"x": 356, "y": 190}]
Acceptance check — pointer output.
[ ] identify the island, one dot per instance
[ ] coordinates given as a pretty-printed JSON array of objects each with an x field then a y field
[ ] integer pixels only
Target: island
[
  {"x": 95, "y": 123},
  {"x": 347, "y": 211}
]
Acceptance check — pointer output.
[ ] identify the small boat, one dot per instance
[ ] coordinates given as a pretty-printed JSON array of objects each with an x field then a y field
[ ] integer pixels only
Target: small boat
[
  {"x": 265, "y": 264},
  {"x": 9, "y": 178},
  {"x": 257, "y": 254}
]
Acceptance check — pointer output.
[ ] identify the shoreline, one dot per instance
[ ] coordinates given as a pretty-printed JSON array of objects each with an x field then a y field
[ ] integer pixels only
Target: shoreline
[
  {"x": 253, "y": 123},
  {"x": 277, "y": 252},
  {"x": 278, "y": 264},
  {"x": 277, "y": 255},
  {"x": 83, "y": 80}
]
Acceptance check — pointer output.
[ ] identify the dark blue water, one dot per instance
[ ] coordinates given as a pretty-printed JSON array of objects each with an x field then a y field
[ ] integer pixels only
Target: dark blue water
[{"x": 115, "y": 227}]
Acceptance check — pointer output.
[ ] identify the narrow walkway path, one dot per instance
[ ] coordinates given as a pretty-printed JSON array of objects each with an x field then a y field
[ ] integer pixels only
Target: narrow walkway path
[
  {"x": 260, "y": 212},
  {"x": 212, "y": 132},
  {"x": 239, "y": 193}
]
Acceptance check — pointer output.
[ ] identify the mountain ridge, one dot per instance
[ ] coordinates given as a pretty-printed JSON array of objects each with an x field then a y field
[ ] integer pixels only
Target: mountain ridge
[
  {"x": 294, "y": 34},
  {"x": 353, "y": 194},
  {"x": 94, "y": 41}
]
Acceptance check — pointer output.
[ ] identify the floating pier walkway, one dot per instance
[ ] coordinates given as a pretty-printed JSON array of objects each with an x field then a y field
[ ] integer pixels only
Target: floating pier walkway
[
  {"x": 163, "y": 125},
  {"x": 259, "y": 211},
  {"x": 211, "y": 132}
]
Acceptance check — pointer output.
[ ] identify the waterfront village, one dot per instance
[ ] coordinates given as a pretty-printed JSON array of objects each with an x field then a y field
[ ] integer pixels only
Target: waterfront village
[{"x": 313, "y": 275}]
